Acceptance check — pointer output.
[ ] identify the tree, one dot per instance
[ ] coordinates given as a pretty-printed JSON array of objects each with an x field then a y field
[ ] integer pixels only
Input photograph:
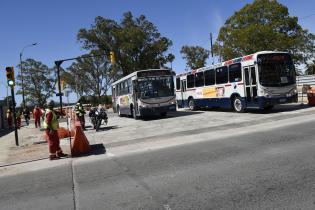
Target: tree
[
  {"x": 195, "y": 56},
  {"x": 90, "y": 75},
  {"x": 310, "y": 68},
  {"x": 39, "y": 82},
  {"x": 170, "y": 58},
  {"x": 136, "y": 42},
  {"x": 264, "y": 25}
]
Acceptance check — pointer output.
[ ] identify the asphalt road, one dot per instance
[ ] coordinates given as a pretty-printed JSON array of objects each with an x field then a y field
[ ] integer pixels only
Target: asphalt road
[{"x": 272, "y": 168}]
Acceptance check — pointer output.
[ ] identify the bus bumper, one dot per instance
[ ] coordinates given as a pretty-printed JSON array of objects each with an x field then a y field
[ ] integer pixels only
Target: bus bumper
[
  {"x": 265, "y": 102},
  {"x": 146, "y": 111}
]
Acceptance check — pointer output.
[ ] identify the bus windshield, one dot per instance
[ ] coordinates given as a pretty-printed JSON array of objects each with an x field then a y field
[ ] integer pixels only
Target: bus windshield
[
  {"x": 153, "y": 87},
  {"x": 275, "y": 70}
]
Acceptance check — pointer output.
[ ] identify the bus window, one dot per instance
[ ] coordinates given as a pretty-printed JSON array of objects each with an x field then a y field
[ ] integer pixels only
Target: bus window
[
  {"x": 253, "y": 75},
  {"x": 177, "y": 83},
  {"x": 199, "y": 79},
  {"x": 209, "y": 77},
  {"x": 235, "y": 72},
  {"x": 221, "y": 75},
  {"x": 190, "y": 81},
  {"x": 129, "y": 86}
]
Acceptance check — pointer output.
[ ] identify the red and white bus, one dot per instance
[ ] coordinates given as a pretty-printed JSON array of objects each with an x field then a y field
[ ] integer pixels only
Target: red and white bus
[{"x": 260, "y": 80}]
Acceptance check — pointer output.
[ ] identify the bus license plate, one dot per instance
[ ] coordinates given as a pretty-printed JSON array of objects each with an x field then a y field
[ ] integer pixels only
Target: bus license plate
[{"x": 282, "y": 100}]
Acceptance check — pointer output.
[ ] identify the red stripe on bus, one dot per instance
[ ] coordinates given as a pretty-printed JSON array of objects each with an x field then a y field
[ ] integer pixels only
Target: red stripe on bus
[
  {"x": 227, "y": 85},
  {"x": 241, "y": 83}
]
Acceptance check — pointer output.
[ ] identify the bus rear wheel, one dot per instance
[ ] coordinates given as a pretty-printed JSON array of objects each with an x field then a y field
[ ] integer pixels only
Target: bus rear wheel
[
  {"x": 238, "y": 105},
  {"x": 191, "y": 104}
]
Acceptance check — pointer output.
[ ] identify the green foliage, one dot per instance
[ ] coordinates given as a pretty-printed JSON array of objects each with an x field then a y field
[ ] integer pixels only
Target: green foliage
[
  {"x": 263, "y": 25},
  {"x": 310, "y": 68},
  {"x": 39, "y": 82},
  {"x": 90, "y": 75},
  {"x": 136, "y": 42},
  {"x": 195, "y": 56}
]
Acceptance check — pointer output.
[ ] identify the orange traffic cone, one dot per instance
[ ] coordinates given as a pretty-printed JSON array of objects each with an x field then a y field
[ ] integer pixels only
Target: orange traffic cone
[{"x": 80, "y": 145}]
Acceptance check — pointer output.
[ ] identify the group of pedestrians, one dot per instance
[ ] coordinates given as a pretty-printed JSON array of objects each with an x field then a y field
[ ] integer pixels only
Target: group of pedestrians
[
  {"x": 37, "y": 114},
  {"x": 50, "y": 123}
]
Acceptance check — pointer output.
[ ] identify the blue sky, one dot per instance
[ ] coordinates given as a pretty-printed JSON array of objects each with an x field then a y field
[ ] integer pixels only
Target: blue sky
[{"x": 54, "y": 25}]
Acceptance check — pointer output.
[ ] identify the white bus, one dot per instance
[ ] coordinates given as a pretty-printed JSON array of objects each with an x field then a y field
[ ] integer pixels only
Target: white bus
[
  {"x": 145, "y": 92},
  {"x": 260, "y": 80}
]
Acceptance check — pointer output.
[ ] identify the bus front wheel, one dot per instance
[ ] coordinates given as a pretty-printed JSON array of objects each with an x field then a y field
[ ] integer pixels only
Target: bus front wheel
[
  {"x": 118, "y": 111},
  {"x": 134, "y": 114},
  {"x": 238, "y": 105}
]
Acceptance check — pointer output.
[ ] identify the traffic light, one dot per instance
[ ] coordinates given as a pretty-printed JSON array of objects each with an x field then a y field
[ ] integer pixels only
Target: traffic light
[
  {"x": 112, "y": 57},
  {"x": 62, "y": 84},
  {"x": 10, "y": 76}
]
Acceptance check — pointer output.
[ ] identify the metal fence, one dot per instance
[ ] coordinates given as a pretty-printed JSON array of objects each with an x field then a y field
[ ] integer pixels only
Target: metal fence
[{"x": 304, "y": 80}]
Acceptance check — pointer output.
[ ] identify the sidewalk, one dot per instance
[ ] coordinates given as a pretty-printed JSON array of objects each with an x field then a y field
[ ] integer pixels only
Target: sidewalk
[{"x": 32, "y": 146}]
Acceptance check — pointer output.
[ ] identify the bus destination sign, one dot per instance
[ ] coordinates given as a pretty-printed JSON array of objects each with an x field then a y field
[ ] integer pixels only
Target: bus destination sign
[{"x": 154, "y": 73}]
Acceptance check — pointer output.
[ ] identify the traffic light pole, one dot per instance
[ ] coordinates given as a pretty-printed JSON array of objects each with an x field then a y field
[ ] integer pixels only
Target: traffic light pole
[
  {"x": 14, "y": 117},
  {"x": 58, "y": 64},
  {"x": 22, "y": 81}
]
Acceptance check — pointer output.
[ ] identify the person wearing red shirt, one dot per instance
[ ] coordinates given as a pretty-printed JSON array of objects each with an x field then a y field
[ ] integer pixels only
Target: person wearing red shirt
[{"x": 37, "y": 115}]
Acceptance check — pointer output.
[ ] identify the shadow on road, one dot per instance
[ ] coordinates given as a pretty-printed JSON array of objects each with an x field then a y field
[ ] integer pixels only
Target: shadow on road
[
  {"x": 276, "y": 109},
  {"x": 171, "y": 115},
  {"x": 96, "y": 149},
  {"x": 280, "y": 108},
  {"x": 5, "y": 132},
  {"x": 106, "y": 128}
]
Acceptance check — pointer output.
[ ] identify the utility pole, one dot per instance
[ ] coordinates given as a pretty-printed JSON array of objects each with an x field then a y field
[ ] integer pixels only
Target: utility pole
[
  {"x": 21, "y": 69},
  {"x": 211, "y": 48}
]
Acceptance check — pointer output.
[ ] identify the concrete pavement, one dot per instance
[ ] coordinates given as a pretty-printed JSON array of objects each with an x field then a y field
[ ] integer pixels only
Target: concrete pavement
[
  {"x": 260, "y": 166},
  {"x": 263, "y": 166}
]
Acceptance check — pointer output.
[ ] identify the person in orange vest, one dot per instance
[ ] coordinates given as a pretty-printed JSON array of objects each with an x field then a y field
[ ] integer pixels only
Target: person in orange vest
[
  {"x": 37, "y": 114},
  {"x": 51, "y": 126},
  {"x": 10, "y": 118}
]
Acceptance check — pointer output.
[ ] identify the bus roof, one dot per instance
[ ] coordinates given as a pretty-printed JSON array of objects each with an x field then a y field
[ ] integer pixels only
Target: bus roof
[
  {"x": 134, "y": 74},
  {"x": 231, "y": 61}
]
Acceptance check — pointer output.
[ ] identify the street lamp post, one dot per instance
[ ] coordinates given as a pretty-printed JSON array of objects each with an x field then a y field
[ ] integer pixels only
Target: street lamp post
[{"x": 21, "y": 69}]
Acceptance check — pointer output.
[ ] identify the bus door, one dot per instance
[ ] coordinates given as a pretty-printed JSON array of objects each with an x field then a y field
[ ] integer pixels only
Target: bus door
[
  {"x": 114, "y": 97},
  {"x": 135, "y": 95},
  {"x": 183, "y": 91},
  {"x": 250, "y": 84}
]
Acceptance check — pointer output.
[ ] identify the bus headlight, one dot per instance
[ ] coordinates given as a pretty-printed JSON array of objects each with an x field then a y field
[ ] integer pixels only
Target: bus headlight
[{"x": 265, "y": 93}]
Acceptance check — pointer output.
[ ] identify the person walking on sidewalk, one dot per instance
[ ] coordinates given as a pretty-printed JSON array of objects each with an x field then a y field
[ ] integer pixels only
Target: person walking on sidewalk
[
  {"x": 10, "y": 118},
  {"x": 19, "y": 119},
  {"x": 51, "y": 126},
  {"x": 80, "y": 112},
  {"x": 26, "y": 114},
  {"x": 37, "y": 115}
]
